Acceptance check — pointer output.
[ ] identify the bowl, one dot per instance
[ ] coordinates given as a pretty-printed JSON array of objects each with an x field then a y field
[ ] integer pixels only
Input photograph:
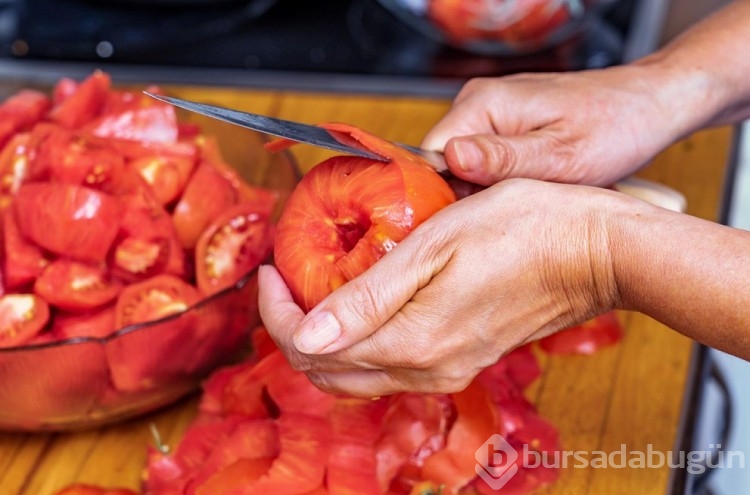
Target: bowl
[
  {"x": 86, "y": 382},
  {"x": 496, "y": 27}
]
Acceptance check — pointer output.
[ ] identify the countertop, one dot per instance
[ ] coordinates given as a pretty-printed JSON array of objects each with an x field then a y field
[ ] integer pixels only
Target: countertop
[{"x": 630, "y": 394}]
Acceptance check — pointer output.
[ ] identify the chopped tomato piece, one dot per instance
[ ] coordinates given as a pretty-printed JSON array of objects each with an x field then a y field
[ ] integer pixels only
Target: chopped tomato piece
[
  {"x": 206, "y": 195},
  {"x": 84, "y": 104},
  {"x": 232, "y": 246},
  {"x": 68, "y": 220},
  {"x": 14, "y": 167},
  {"x": 20, "y": 112},
  {"x": 23, "y": 261},
  {"x": 22, "y": 317},
  {"x": 602, "y": 331},
  {"x": 167, "y": 175},
  {"x": 135, "y": 117},
  {"x": 76, "y": 286},
  {"x": 99, "y": 324}
]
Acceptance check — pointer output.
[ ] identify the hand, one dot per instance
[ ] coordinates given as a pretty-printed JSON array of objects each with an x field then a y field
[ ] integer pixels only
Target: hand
[
  {"x": 479, "y": 278},
  {"x": 593, "y": 127}
]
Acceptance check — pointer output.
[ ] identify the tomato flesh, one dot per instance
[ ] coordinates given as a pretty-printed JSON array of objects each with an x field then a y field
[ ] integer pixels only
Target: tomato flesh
[
  {"x": 23, "y": 261},
  {"x": 235, "y": 243},
  {"x": 67, "y": 219},
  {"x": 75, "y": 286},
  {"x": 22, "y": 317},
  {"x": 348, "y": 212}
]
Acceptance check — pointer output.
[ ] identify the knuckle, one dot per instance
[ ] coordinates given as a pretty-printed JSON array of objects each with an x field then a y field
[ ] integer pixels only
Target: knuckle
[{"x": 363, "y": 302}]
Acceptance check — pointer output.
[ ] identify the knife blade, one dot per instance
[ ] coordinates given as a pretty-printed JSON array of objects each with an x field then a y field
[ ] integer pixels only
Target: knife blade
[{"x": 295, "y": 131}]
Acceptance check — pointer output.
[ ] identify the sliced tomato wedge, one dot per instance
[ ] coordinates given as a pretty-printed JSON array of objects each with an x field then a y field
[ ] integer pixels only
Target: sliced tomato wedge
[
  {"x": 476, "y": 421},
  {"x": 22, "y": 317},
  {"x": 65, "y": 156},
  {"x": 64, "y": 88},
  {"x": 23, "y": 261},
  {"x": 233, "y": 245},
  {"x": 20, "y": 112},
  {"x": 14, "y": 167},
  {"x": 84, "y": 104},
  {"x": 136, "y": 117},
  {"x": 602, "y": 331},
  {"x": 98, "y": 324},
  {"x": 137, "y": 360},
  {"x": 76, "y": 286},
  {"x": 167, "y": 175},
  {"x": 206, "y": 195},
  {"x": 153, "y": 299},
  {"x": 69, "y": 220}
]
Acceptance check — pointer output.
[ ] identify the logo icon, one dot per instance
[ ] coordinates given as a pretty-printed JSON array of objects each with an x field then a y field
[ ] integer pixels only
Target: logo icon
[{"x": 496, "y": 460}]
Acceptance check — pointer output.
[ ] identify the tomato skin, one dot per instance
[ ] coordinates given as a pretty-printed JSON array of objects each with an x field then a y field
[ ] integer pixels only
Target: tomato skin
[
  {"x": 19, "y": 112},
  {"x": 14, "y": 166},
  {"x": 98, "y": 324},
  {"x": 587, "y": 338},
  {"x": 22, "y": 317},
  {"x": 345, "y": 214},
  {"x": 234, "y": 244},
  {"x": 69, "y": 220},
  {"x": 65, "y": 156},
  {"x": 84, "y": 104},
  {"x": 167, "y": 175},
  {"x": 153, "y": 299},
  {"x": 23, "y": 261},
  {"x": 206, "y": 195},
  {"x": 135, "y": 117},
  {"x": 76, "y": 286}
]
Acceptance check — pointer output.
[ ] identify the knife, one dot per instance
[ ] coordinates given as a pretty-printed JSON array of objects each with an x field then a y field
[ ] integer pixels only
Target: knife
[
  {"x": 646, "y": 190},
  {"x": 295, "y": 131}
]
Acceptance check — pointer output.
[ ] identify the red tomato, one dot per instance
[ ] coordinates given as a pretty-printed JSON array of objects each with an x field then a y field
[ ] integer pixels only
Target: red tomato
[
  {"x": 82, "y": 489},
  {"x": 206, "y": 195},
  {"x": 476, "y": 421},
  {"x": 68, "y": 220},
  {"x": 167, "y": 175},
  {"x": 347, "y": 212},
  {"x": 22, "y": 317},
  {"x": 97, "y": 324},
  {"x": 246, "y": 192},
  {"x": 84, "y": 104},
  {"x": 138, "y": 360},
  {"x": 21, "y": 111},
  {"x": 75, "y": 286},
  {"x": 23, "y": 262},
  {"x": 64, "y": 156},
  {"x": 14, "y": 167},
  {"x": 136, "y": 117},
  {"x": 153, "y": 299},
  {"x": 64, "y": 89},
  {"x": 232, "y": 246},
  {"x": 602, "y": 331}
]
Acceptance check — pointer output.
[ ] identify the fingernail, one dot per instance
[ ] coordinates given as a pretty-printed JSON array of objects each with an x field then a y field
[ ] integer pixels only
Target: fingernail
[
  {"x": 467, "y": 153},
  {"x": 317, "y": 333}
]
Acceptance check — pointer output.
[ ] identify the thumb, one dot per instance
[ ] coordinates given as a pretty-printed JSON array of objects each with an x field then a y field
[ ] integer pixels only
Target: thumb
[
  {"x": 360, "y": 307},
  {"x": 487, "y": 159}
]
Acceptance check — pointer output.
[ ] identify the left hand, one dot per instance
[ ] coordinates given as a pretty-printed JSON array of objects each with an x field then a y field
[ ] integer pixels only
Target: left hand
[{"x": 479, "y": 278}]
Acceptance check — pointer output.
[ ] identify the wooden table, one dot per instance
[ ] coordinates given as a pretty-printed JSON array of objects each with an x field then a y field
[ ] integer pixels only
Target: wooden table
[{"x": 630, "y": 394}]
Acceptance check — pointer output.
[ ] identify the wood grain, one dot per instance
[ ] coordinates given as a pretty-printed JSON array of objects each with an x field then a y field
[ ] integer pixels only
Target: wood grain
[{"x": 630, "y": 394}]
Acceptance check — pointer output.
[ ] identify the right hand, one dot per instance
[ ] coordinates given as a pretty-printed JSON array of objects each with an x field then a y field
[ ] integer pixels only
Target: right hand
[{"x": 591, "y": 127}]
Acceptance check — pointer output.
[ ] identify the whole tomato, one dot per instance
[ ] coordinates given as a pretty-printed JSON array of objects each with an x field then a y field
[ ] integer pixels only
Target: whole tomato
[{"x": 348, "y": 212}]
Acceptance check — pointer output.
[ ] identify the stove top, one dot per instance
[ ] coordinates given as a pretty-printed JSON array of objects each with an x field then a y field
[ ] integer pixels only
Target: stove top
[{"x": 286, "y": 42}]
